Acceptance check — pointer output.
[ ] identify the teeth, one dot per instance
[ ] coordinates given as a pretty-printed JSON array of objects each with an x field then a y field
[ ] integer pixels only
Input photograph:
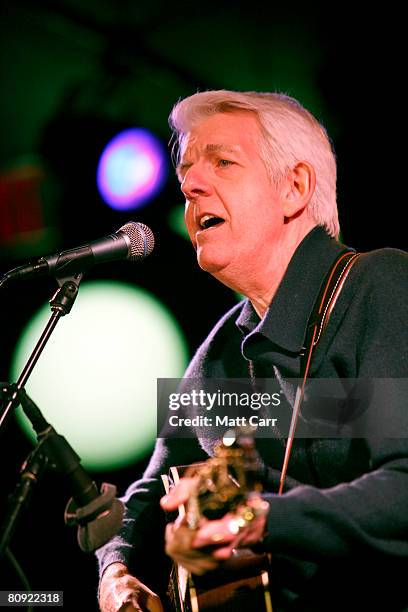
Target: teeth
[{"x": 204, "y": 219}]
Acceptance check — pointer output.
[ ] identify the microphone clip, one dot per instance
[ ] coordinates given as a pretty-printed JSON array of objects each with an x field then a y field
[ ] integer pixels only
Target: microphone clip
[
  {"x": 81, "y": 515},
  {"x": 65, "y": 296},
  {"x": 98, "y": 520}
]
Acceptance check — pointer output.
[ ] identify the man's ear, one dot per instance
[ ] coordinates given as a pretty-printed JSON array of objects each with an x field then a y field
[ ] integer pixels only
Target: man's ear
[{"x": 299, "y": 187}]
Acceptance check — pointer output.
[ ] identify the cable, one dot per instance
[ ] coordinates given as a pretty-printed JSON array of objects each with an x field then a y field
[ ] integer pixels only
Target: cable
[{"x": 20, "y": 573}]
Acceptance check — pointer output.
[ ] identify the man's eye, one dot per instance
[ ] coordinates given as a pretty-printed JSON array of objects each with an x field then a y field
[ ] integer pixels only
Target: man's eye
[{"x": 223, "y": 163}]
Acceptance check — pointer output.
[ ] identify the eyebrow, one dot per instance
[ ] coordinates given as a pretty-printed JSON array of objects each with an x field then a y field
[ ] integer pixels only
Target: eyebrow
[{"x": 216, "y": 148}]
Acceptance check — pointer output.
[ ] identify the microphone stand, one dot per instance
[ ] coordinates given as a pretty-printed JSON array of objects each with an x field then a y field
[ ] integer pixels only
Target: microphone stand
[
  {"x": 61, "y": 304},
  {"x": 30, "y": 473},
  {"x": 97, "y": 515}
]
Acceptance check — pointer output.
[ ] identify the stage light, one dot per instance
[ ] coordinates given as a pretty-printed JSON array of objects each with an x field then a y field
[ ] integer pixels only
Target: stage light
[
  {"x": 96, "y": 379},
  {"x": 132, "y": 169}
]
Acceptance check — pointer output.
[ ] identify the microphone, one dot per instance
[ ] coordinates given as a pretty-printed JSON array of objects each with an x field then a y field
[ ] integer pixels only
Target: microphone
[
  {"x": 133, "y": 241},
  {"x": 97, "y": 515}
]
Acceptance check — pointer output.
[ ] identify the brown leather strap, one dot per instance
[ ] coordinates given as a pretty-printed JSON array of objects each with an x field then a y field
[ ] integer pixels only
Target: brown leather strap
[
  {"x": 329, "y": 292},
  {"x": 317, "y": 323}
]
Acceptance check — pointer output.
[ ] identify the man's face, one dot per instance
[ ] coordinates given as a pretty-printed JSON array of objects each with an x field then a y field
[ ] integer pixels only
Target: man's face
[{"x": 233, "y": 212}]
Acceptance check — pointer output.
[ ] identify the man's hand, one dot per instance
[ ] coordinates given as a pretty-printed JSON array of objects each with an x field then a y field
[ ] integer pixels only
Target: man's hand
[
  {"x": 205, "y": 548},
  {"x": 122, "y": 592}
]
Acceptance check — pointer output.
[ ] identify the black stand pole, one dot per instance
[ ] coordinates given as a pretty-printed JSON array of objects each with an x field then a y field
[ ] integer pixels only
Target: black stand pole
[
  {"x": 61, "y": 304},
  {"x": 97, "y": 515},
  {"x": 31, "y": 472}
]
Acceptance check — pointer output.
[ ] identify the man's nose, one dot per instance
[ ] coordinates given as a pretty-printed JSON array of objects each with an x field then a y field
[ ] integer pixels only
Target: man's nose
[{"x": 195, "y": 183}]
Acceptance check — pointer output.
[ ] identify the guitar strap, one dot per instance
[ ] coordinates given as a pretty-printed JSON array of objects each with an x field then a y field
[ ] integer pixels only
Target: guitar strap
[{"x": 322, "y": 309}]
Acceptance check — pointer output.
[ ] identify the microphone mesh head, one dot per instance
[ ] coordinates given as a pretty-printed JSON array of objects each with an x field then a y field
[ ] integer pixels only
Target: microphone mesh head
[{"x": 141, "y": 239}]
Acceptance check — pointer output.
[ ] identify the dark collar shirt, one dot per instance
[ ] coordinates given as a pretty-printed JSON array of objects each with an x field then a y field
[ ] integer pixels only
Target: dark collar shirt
[{"x": 338, "y": 534}]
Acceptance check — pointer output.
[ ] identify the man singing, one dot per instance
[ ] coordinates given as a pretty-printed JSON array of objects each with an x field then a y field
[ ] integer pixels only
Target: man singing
[{"x": 259, "y": 178}]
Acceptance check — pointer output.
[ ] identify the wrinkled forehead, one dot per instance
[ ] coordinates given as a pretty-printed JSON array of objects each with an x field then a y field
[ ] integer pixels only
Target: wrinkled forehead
[{"x": 237, "y": 131}]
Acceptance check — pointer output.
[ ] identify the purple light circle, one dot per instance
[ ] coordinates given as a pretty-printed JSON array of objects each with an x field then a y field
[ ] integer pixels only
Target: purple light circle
[{"x": 132, "y": 169}]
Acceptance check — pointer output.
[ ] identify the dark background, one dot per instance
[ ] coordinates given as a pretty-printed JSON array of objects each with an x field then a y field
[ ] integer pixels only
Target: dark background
[{"x": 73, "y": 73}]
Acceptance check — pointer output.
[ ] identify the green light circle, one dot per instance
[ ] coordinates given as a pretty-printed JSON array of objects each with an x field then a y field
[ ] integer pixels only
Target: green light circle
[{"x": 95, "y": 382}]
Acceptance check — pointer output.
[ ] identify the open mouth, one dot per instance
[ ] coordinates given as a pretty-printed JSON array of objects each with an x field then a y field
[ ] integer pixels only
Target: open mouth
[{"x": 208, "y": 221}]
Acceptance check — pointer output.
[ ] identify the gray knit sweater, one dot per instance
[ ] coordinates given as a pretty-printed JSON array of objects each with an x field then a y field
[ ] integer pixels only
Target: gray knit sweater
[{"x": 344, "y": 514}]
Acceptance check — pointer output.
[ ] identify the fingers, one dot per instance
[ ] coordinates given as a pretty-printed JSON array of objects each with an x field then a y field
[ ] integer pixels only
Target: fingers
[
  {"x": 147, "y": 600},
  {"x": 125, "y": 593},
  {"x": 178, "y": 538},
  {"x": 179, "y": 542},
  {"x": 142, "y": 602},
  {"x": 130, "y": 607},
  {"x": 179, "y": 547},
  {"x": 179, "y": 494},
  {"x": 203, "y": 549},
  {"x": 229, "y": 533}
]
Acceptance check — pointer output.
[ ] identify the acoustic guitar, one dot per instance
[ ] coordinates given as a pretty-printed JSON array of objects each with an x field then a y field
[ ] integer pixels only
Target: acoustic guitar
[{"x": 242, "y": 583}]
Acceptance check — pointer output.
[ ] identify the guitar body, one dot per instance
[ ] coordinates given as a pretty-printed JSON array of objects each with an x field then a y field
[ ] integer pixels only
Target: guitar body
[{"x": 241, "y": 584}]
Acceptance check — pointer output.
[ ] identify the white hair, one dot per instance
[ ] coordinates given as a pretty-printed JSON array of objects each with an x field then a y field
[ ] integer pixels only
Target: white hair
[{"x": 290, "y": 134}]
